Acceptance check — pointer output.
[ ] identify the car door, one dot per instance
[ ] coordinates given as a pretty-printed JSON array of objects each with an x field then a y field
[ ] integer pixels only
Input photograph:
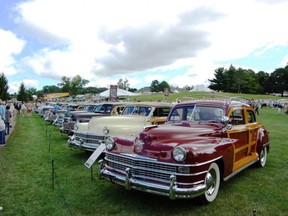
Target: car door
[
  {"x": 244, "y": 134},
  {"x": 253, "y": 127}
]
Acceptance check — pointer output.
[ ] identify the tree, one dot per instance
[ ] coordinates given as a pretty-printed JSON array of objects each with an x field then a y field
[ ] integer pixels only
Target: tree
[
  {"x": 4, "y": 95},
  {"x": 232, "y": 80},
  {"x": 154, "y": 87},
  {"x": 39, "y": 94},
  {"x": 123, "y": 84},
  {"x": 235, "y": 81},
  {"x": 250, "y": 82},
  {"x": 262, "y": 78},
  {"x": 132, "y": 89},
  {"x": 22, "y": 95},
  {"x": 94, "y": 90},
  {"x": 163, "y": 85},
  {"x": 51, "y": 89},
  {"x": 30, "y": 93},
  {"x": 279, "y": 78},
  {"x": 188, "y": 88},
  {"x": 219, "y": 82},
  {"x": 73, "y": 85}
]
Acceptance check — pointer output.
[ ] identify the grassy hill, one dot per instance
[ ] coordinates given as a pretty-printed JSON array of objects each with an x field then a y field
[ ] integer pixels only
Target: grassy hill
[{"x": 173, "y": 96}]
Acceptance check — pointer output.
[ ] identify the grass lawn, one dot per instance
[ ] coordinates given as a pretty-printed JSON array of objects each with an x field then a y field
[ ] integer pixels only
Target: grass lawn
[{"x": 26, "y": 184}]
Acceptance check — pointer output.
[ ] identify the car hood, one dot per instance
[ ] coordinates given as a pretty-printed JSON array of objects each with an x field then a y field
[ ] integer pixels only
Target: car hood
[
  {"x": 119, "y": 125},
  {"x": 159, "y": 142}
]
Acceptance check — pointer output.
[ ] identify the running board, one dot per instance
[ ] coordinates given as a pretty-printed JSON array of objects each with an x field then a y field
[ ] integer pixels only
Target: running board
[{"x": 240, "y": 169}]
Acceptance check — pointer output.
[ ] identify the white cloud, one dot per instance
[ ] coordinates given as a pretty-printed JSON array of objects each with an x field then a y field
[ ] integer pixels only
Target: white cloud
[
  {"x": 105, "y": 40},
  {"x": 28, "y": 83},
  {"x": 10, "y": 46}
]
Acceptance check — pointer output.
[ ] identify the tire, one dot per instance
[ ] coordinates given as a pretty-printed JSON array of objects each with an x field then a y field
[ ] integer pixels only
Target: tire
[
  {"x": 212, "y": 182},
  {"x": 262, "y": 157}
]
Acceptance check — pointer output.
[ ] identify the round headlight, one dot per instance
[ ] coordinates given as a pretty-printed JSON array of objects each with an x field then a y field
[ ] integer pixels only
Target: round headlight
[
  {"x": 109, "y": 142},
  {"x": 179, "y": 154},
  {"x": 138, "y": 144},
  {"x": 105, "y": 130},
  {"x": 76, "y": 127}
]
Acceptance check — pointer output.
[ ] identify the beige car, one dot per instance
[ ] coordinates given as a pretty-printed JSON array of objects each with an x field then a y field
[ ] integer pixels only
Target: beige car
[
  {"x": 84, "y": 115},
  {"x": 130, "y": 122}
]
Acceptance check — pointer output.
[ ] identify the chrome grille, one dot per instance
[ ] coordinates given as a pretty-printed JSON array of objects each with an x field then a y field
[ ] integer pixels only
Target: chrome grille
[
  {"x": 88, "y": 138},
  {"x": 141, "y": 167}
]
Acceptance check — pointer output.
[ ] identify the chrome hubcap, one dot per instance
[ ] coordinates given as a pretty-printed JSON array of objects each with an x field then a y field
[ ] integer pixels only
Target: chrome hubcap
[{"x": 210, "y": 182}]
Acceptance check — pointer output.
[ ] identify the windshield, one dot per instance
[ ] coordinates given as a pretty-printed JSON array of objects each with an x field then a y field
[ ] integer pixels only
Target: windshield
[
  {"x": 105, "y": 109},
  {"x": 196, "y": 113},
  {"x": 97, "y": 108},
  {"x": 137, "y": 110},
  {"x": 89, "y": 108}
]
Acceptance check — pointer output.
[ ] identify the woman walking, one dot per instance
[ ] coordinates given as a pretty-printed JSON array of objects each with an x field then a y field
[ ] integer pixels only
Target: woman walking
[{"x": 8, "y": 117}]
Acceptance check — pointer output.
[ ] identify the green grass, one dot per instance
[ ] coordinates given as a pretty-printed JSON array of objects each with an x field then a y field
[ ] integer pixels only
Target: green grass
[
  {"x": 173, "y": 96},
  {"x": 26, "y": 179}
]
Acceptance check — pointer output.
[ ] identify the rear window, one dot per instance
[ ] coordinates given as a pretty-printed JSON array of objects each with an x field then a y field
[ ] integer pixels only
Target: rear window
[{"x": 161, "y": 112}]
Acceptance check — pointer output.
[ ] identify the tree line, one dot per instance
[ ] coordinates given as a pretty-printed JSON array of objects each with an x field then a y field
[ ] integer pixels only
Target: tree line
[
  {"x": 239, "y": 80},
  {"x": 234, "y": 80},
  {"x": 73, "y": 85}
]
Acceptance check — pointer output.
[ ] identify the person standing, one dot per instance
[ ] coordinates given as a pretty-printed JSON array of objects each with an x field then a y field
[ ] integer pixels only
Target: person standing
[
  {"x": 2, "y": 131},
  {"x": 17, "y": 106},
  {"x": 2, "y": 122},
  {"x": 12, "y": 108},
  {"x": 8, "y": 117},
  {"x": 23, "y": 109},
  {"x": 2, "y": 110},
  {"x": 29, "y": 107}
]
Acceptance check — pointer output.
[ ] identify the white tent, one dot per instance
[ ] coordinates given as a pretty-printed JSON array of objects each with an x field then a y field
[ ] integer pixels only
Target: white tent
[{"x": 120, "y": 93}]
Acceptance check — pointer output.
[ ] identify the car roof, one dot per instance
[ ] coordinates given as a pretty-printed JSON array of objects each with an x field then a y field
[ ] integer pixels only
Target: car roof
[
  {"x": 154, "y": 104},
  {"x": 231, "y": 102}
]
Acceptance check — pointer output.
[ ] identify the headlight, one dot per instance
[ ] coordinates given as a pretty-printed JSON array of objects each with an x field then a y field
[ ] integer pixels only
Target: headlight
[
  {"x": 179, "y": 154},
  {"x": 105, "y": 130},
  {"x": 138, "y": 144},
  {"x": 109, "y": 142},
  {"x": 76, "y": 127}
]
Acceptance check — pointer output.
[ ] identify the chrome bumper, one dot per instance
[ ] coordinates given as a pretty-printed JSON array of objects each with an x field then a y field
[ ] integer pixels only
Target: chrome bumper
[
  {"x": 171, "y": 191},
  {"x": 81, "y": 144}
]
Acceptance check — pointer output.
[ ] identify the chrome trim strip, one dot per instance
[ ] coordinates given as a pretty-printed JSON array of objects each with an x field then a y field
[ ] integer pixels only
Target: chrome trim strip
[
  {"x": 239, "y": 170},
  {"x": 171, "y": 191},
  {"x": 153, "y": 170},
  {"x": 142, "y": 158}
]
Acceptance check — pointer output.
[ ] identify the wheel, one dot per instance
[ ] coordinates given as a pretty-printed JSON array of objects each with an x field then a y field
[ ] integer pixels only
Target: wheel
[
  {"x": 262, "y": 157},
  {"x": 212, "y": 182}
]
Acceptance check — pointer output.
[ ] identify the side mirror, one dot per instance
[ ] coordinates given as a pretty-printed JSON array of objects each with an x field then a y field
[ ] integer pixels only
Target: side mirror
[{"x": 226, "y": 122}]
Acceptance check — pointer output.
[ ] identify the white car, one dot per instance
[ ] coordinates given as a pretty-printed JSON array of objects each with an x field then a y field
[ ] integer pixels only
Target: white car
[{"x": 130, "y": 122}]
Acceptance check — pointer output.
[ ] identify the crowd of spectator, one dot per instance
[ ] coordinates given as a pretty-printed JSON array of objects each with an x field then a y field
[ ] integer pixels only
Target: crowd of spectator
[
  {"x": 8, "y": 112},
  {"x": 280, "y": 105}
]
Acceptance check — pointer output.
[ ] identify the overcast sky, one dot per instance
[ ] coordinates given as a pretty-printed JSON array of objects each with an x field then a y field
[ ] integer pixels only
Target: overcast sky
[{"x": 178, "y": 41}]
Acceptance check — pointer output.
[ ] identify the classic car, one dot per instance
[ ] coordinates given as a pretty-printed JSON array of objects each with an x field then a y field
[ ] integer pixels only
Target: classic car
[
  {"x": 52, "y": 115},
  {"x": 133, "y": 118},
  {"x": 43, "y": 110},
  {"x": 69, "y": 108},
  {"x": 105, "y": 109},
  {"x": 83, "y": 113},
  {"x": 202, "y": 143}
]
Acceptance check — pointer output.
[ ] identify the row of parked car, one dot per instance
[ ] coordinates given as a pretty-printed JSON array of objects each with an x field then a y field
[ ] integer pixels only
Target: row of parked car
[{"x": 182, "y": 150}]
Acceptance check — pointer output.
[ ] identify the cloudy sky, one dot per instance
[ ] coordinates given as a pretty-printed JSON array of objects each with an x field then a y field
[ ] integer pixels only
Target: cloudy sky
[{"x": 178, "y": 41}]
